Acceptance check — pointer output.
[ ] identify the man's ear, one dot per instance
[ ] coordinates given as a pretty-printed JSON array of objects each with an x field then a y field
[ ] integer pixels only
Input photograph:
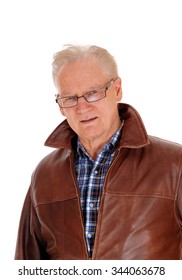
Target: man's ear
[{"x": 118, "y": 88}]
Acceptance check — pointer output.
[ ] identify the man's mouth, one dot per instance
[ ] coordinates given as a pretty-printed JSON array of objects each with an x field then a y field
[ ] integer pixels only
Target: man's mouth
[{"x": 89, "y": 120}]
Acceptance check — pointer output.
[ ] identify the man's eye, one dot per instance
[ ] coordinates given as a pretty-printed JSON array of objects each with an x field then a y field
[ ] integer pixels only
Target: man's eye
[
  {"x": 93, "y": 92},
  {"x": 69, "y": 98}
]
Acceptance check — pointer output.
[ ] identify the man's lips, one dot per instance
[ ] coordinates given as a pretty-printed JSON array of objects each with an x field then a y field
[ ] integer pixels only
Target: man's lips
[{"x": 88, "y": 120}]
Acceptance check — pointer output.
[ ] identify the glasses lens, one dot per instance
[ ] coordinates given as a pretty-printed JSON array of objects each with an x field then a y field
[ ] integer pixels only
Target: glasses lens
[
  {"x": 69, "y": 101},
  {"x": 94, "y": 95}
]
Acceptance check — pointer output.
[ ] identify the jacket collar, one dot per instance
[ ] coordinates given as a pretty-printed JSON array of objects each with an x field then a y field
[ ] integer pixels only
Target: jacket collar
[{"x": 134, "y": 134}]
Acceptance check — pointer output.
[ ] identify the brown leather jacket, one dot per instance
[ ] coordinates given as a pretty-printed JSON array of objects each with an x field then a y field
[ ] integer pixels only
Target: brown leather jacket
[{"x": 140, "y": 214}]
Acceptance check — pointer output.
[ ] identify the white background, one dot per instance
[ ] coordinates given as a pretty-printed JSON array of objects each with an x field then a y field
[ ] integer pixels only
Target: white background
[{"x": 144, "y": 36}]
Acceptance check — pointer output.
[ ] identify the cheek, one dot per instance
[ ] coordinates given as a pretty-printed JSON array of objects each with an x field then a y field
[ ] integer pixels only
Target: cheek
[
  {"x": 71, "y": 119},
  {"x": 105, "y": 116}
]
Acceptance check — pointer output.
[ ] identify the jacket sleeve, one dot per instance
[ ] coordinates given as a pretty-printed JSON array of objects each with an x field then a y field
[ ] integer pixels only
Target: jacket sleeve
[{"x": 30, "y": 245}]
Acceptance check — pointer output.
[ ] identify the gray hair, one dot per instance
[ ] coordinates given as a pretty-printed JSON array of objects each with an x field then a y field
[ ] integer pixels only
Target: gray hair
[{"x": 73, "y": 53}]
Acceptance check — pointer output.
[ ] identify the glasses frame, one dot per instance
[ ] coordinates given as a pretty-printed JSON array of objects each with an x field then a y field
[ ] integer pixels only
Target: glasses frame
[{"x": 104, "y": 88}]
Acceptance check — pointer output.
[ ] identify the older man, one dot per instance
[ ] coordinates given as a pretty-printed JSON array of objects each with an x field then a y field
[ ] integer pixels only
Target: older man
[{"x": 108, "y": 190}]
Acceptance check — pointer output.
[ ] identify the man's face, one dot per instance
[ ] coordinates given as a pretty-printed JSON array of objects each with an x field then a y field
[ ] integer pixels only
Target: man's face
[{"x": 99, "y": 119}]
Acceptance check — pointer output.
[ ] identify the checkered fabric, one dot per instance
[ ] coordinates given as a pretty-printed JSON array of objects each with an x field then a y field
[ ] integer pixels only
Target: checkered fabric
[{"x": 90, "y": 176}]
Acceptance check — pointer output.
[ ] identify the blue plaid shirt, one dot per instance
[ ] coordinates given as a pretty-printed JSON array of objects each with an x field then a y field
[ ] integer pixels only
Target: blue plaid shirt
[{"x": 90, "y": 176}]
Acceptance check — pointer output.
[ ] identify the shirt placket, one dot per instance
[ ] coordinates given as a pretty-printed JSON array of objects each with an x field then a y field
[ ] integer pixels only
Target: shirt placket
[{"x": 92, "y": 205}]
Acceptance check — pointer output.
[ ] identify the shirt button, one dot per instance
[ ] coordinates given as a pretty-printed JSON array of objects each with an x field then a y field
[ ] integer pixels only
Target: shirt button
[
  {"x": 95, "y": 172},
  {"x": 91, "y": 205},
  {"x": 89, "y": 235}
]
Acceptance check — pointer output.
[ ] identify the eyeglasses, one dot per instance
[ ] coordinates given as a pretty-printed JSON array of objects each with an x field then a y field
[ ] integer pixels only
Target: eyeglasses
[{"x": 90, "y": 96}]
